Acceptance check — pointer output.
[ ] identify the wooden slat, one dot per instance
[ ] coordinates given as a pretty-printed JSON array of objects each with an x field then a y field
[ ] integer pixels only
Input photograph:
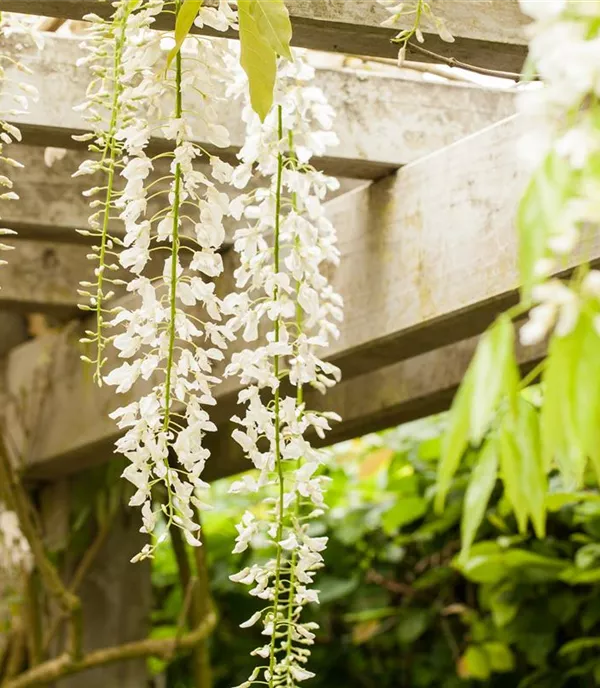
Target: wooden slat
[
  {"x": 488, "y": 33},
  {"x": 383, "y": 122},
  {"x": 43, "y": 276},
  {"x": 429, "y": 257},
  {"x": 13, "y": 330},
  {"x": 84, "y": 436}
]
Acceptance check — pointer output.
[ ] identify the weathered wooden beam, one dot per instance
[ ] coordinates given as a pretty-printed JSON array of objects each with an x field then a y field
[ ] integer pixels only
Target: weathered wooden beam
[
  {"x": 43, "y": 276},
  {"x": 488, "y": 33},
  {"x": 383, "y": 122},
  {"x": 428, "y": 258},
  {"x": 13, "y": 330},
  {"x": 51, "y": 205},
  {"x": 83, "y": 435}
]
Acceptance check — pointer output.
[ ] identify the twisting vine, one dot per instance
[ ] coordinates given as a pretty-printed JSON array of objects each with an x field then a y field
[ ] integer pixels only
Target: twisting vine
[{"x": 281, "y": 281}]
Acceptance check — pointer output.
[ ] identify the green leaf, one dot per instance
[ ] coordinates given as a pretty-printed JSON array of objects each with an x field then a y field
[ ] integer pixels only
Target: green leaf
[
  {"x": 576, "y": 646},
  {"x": 183, "y": 24},
  {"x": 273, "y": 21},
  {"x": 502, "y": 604},
  {"x": 494, "y": 375},
  {"x": 541, "y": 213},
  {"x": 406, "y": 510},
  {"x": 433, "y": 578},
  {"x": 478, "y": 494},
  {"x": 412, "y": 624},
  {"x": 332, "y": 589},
  {"x": 489, "y": 563},
  {"x": 561, "y": 441},
  {"x": 576, "y": 576},
  {"x": 500, "y": 656},
  {"x": 474, "y": 664},
  {"x": 587, "y": 555},
  {"x": 555, "y": 501},
  {"x": 265, "y": 32},
  {"x": 258, "y": 59},
  {"x": 586, "y": 393},
  {"x": 533, "y": 473},
  {"x": 456, "y": 440},
  {"x": 510, "y": 462}
]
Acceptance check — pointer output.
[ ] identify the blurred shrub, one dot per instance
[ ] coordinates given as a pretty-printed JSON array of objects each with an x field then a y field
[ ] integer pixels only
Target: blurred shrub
[{"x": 400, "y": 606}]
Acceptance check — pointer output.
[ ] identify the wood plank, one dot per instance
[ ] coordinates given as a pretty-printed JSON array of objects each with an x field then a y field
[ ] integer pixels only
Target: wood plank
[
  {"x": 488, "y": 33},
  {"x": 13, "y": 329},
  {"x": 399, "y": 393},
  {"x": 429, "y": 257},
  {"x": 51, "y": 205},
  {"x": 382, "y": 121},
  {"x": 43, "y": 276}
]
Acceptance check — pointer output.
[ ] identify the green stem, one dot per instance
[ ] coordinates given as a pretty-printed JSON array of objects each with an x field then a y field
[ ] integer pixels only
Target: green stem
[
  {"x": 110, "y": 143},
  {"x": 299, "y": 402},
  {"x": 277, "y": 402},
  {"x": 174, "y": 263}
]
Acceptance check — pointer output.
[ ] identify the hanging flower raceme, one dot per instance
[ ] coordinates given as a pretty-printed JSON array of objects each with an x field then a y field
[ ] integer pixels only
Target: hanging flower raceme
[
  {"x": 110, "y": 107},
  {"x": 560, "y": 211},
  {"x": 16, "y": 94},
  {"x": 172, "y": 335},
  {"x": 285, "y": 294}
]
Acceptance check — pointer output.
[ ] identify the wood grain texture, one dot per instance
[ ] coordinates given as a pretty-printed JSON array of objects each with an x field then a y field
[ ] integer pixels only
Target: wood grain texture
[
  {"x": 488, "y": 33},
  {"x": 382, "y": 122},
  {"x": 429, "y": 258}
]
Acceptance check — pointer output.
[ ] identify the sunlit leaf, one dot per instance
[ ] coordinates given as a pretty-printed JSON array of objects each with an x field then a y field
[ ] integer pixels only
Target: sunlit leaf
[
  {"x": 474, "y": 664},
  {"x": 579, "y": 645},
  {"x": 273, "y": 22},
  {"x": 586, "y": 393},
  {"x": 561, "y": 441},
  {"x": 258, "y": 60},
  {"x": 265, "y": 33},
  {"x": 512, "y": 472},
  {"x": 456, "y": 440},
  {"x": 500, "y": 656},
  {"x": 478, "y": 494},
  {"x": 183, "y": 25},
  {"x": 533, "y": 475},
  {"x": 541, "y": 214},
  {"x": 494, "y": 375}
]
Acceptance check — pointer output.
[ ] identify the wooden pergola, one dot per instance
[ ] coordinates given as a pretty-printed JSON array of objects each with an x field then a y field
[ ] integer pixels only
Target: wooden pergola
[{"x": 429, "y": 251}]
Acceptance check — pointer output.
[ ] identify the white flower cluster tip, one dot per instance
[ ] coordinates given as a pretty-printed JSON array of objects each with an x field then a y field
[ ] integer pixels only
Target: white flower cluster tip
[
  {"x": 285, "y": 295},
  {"x": 563, "y": 145}
]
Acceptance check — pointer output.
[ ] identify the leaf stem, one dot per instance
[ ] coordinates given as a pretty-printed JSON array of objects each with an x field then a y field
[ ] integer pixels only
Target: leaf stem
[{"x": 277, "y": 402}]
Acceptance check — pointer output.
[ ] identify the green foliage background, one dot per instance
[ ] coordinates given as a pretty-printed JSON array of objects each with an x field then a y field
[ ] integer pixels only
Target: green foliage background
[{"x": 400, "y": 605}]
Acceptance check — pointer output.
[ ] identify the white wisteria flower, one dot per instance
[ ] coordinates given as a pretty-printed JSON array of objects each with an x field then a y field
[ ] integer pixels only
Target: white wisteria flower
[
  {"x": 287, "y": 313},
  {"x": 562, "y": 145},
  {"x": 170, "y": 334}
]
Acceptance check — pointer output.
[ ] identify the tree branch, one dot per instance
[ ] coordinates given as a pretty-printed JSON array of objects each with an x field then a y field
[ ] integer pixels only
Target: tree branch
[
  {"x": 453, "y": 62},
  {"x": 164, "y": 648}
]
